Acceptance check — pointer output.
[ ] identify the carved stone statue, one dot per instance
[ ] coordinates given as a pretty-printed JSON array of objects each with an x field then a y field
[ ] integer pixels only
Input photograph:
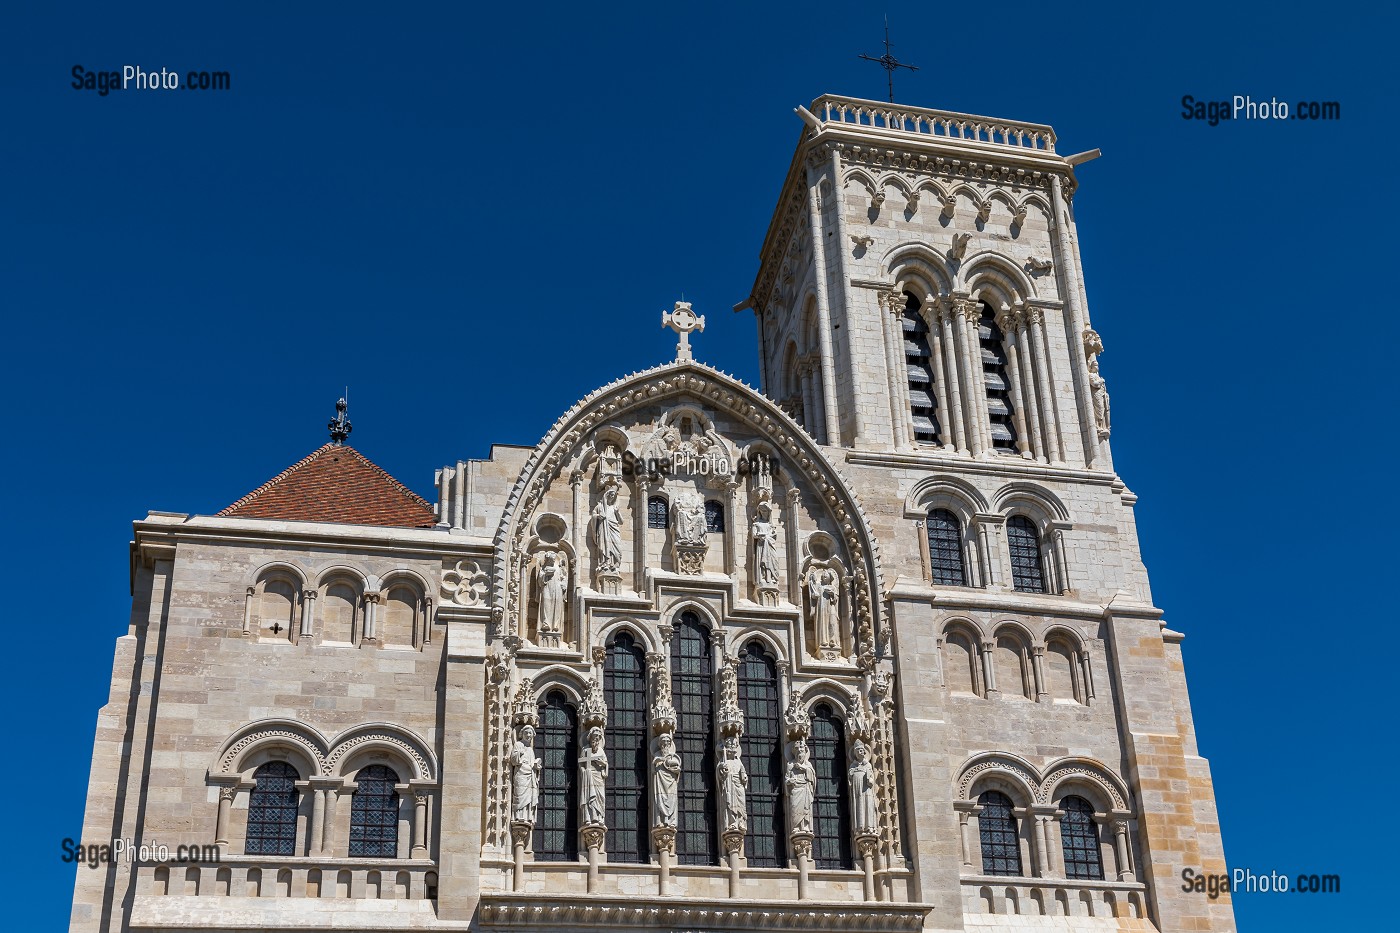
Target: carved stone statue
[
  {"x": 593, "y": 775},
  {"x": 609, "y": 467},
  {"x": 666, "y": 781},
  {"x": 765, "y": 540},
  {"x": 607, "y": 532},
  {"x": 864, "y": 804},
  {"x": 552, "y": 579},
  {"x": 524, "y": 777},
  {"x": 733, "y": 787},
  {"x": 801, "y": 781},
  {"x": 824, "y": 593},
  {"x": 1099, "y": 389},
  {"x": 690, "y": 521}
]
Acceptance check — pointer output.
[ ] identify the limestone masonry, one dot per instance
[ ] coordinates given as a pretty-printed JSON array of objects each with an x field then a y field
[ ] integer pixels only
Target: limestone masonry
[{"x": 869, "y": 648}]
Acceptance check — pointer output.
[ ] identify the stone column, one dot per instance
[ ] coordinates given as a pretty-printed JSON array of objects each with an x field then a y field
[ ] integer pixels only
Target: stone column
[
  {"x": 593, "y": 837},
  {"x": 794, "y": 546},
  {"x": 802, "y": 851},
  {"x": 735, "y": 530},
  {"x": 1042, "y": 695},
  {"x": 1008, "y": 321},
  {"x": 420, "y": 821},
  {"x": 734, "y": 857},
  {"x": 1057, "y": 550},
  {"x": 576, "y": 526},
  {"x": 321, "y": 791},
  {"x": 925, "y": 556},
  {"x": 957, "y": 414},
  {"x": 892, "y": 329},
  {"x": 1086, "y": 665},
  {"x": 865, "y": 845},
  {"x": 811, "y": 417},
  {"x": 371, "y": 629},
  {"x": 227, "y": 794},
  {"x": 941, "y": 378},
  {"x": 989, "y": 675},
  {"x": 966, "y": 810},
  {"x": 308, "y": 612},
  {"x": 520, "y": 831},
  {"x": 966, "y": 313},
  {"x": 828, "y": 357},
  {"x": 1077, "y": 314},
  {"x": 1122, "y": 852},
  {"x": 1054, "y": 443},
  {"x": 1044, "y": 856},
  {"x": 640, "y": 508},
  {"x": 248, "y": 601}
]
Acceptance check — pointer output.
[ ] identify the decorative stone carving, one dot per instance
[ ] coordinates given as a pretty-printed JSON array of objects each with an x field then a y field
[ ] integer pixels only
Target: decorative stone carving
[
  {"x": 1093, "y": 343},
  {"x": 1039, "y": 266},
  {"x": 765, "y": 543},
  {"x": 593, "y": 780},
  {"x": 466, "y": 583},
  {"x": 665, "y": 781},
  {"x": 1019, "y": 217},
  {"x": 607, "y": 538},
  {"x": 609, "y": 467},
  {"x": 663, "y": 713},
  {"x": 552, "y": 587},
  {"x": 524, "y": 777},
  {"x": 798, "y": 722},
  {"x": 950, "y": 204},
  {"x": 683, "y": 321},
  {"x": 689, "y": 542},
  {"x": 824, "y": 609},
  {"x": 984, "y": 211},
  {"x": 865, "y": 803},
  {"x": 731, "y": 715},
  {"x": 733, "y": 788},
  {"x": 959, "y": 248},
  {"x": 801, "y": 780},
  {"x": 862, "y": 241},
  {"x": 1099, "y": 389}
]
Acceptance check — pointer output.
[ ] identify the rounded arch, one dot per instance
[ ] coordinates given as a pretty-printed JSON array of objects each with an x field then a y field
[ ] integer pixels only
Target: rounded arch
[
  {"x": 998, "y": 771},
  {"x": 706, "y": 614},
  {"x": 1035, "y": 502},
  {"x": 947, "y": 492},
  {"x": 1088, "y": 777},
  {"x": 989, "y": 273},
  {"x": 1059, "y": 631},
  {"x": 741, "y": 639},
  {"x": 387, "y": 739},
  {"x": 402, "y": 576},
  {"x": 641, "y": 633},
  {"x": 260, "y": 741},
  {"x": 862, "y": 177},
  {"x": 1014, "y": 627},
  {"x": 335, "y": 573},
  {"x": 965, "y": 625},
  {"x": 560, "y": 677},
  {"x": 921, "y": 262},
  {"x": 790, "y": 379},
  {"x": 826, "y": 690},
  {"x": 293, "y": 573}
]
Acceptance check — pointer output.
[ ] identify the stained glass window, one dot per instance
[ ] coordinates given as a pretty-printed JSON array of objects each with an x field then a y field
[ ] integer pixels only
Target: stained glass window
[
  {"x": 1027, "y": 571},
  {"x": 692, "y": 691},
  {"x": 714, "y": 516},
  {"x": 374, "y": 814},
  {"x": 765, "y": 846},
  {"x": 556, "y": 823},
  {"x": 1001, "y": 845},
  {"x": 658, "y": 513},
  {"x": 625, "y": 691},
  {"x": 1079, "y": 836},
  {"x": 945, "y": 549},
  {"x": 272, "y": 810},
  {"x": 831, "y": 847}
]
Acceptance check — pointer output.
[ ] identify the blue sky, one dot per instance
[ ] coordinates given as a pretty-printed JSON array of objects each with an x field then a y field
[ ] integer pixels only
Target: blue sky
[{"x": 473, "y": 217}]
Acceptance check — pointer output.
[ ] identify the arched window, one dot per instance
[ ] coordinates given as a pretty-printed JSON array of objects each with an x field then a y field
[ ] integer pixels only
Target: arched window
[
  {"x": 1001, "y": 844},
  {"x": 625, "y": 691},
  {"x": 945, "y": 549},
  {"x": 765, "y": 846},
  {"x": 374, "y": 814},
  {"x": 272, "y": 810},
  {"x": 658, "y": 513},
  {"x": 1027, "y": 570},
  {"x": 918, "y": 358},
  {"x": 831, "y": 811},
  {"x": 692, "y": 691},
  {"x": 714, "y": 517},
  {"x": 998, "y": 386},
  {"x": 1079, "y": 836},
  {"x": 556, "y": 825}
]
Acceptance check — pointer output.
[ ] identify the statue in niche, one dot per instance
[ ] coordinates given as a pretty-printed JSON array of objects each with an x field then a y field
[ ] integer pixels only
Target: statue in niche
[
  {"x": 593, "y": 768},
  {"x": 524, "y": 777},
  {"x": 607, "y": 532},
  {"x": 666, "y": 781},
  {"x": 733, "y": 787},
  {"x": 551, "y": 581},
  {"x": 864, "y": 805},
  {"x": 690, "y": 521},
  {"x": 824, "y": 593},
  {"x": 801, "y": 782},
  {"x": 765, "y": 538},
  {"x": 609, "y": 467},
  {"x": 1099, "y": 390}
]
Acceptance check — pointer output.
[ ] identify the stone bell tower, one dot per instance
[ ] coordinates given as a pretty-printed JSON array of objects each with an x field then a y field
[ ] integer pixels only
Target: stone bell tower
[{"x": 919, "y": 288}]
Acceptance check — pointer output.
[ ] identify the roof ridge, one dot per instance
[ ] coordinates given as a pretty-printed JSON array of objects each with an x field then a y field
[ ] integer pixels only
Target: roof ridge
[
  {"x": 384, "y": 473},
  {"x": 277, "y": 479}
]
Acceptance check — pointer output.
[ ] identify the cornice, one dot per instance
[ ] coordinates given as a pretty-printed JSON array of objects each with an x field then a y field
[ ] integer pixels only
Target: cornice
[
  {"x": 537, "y": 911},
  {"x": 1002, "y": 466}
]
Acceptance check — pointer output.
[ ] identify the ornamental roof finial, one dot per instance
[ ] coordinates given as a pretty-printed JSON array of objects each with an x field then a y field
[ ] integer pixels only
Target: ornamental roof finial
[
  {"x": 683, "y": 320},
  {"x": 340, "y": 425}
]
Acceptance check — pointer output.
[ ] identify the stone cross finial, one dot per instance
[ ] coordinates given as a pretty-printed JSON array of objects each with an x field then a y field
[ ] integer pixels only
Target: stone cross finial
[
  {"x": 340, "y": 425},
  {"x": 683, "y": 320}
]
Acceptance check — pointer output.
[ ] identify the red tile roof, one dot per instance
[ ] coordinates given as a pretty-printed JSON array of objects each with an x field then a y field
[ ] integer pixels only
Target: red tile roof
[{"x": 336, "y": 484}]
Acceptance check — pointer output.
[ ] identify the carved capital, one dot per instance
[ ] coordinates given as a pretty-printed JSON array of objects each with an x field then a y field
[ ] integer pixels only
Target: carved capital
[
  {"x": 733, "y": 841},
  {"x": 664, "y": 838},
  {"x": 593, "y": 835},
  {"x": 801, "y": 845},
  {"x": 867, "y": 844},
  {"x": 520, "y": 831}
]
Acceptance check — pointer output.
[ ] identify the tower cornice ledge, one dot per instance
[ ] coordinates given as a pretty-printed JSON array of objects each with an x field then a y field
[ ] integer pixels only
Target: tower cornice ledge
[{"x": 534, "y": 911}]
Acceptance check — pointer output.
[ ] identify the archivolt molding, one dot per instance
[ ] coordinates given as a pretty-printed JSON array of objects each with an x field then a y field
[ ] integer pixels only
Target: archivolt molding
[
  {"x": 928, "y": 492},
  {"x": 1042, "y": 785},
  {"x": 325, "y": 756},
  {"x": 1044, "y": 501},
  {"x": 709, "y": 386}
]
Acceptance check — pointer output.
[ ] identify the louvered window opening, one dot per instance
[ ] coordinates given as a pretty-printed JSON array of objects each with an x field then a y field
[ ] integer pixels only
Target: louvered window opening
[
  {"x": 765, "y": 846},
  {"x": 556, "y": 824},
  {"x": 918, "y": 359},
  {"x": 625, "y": 691},
  {"x": 998, "y": 385},
  {"x": 692, "y": 692}
]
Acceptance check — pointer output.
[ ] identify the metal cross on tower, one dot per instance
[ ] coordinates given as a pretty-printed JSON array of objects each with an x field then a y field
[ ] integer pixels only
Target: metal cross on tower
[{"x": 888, "y": 61}]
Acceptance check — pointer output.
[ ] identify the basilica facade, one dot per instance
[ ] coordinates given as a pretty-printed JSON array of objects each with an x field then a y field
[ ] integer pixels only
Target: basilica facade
[{"x": 869, "y": 647}]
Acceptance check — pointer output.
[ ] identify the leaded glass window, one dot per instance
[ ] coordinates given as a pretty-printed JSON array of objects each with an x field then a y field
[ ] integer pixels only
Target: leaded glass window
[
  {"x": 556, "y": 823},
  {"x": 692, "y": 692},
  {"x": 1027, "y": 570},
  {"x": 765, "y": 846},
  {"x": 1079, "y": 836},
  {"x": 625, "y": 691},
  {"x": 374, "y": 814},
  {"x": 998, "y": 385},
  {"x": 272, "y": 810},
  {"x": 831, "y": 847},
  {"x": 918, "y": 364},
  {"x": 945, "y": 548},
  {"x": 1001, "y": 844},
  {"x": 714, "y": 517},
  {"x": 658, "y": 513}
]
